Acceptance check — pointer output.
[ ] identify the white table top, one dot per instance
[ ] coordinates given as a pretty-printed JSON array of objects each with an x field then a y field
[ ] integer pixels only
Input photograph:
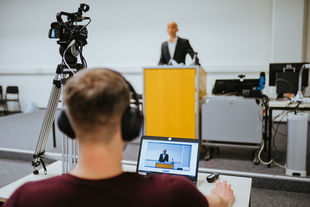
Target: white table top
[
  {"x": 240, "y": 185},
  {"x": 286, "y": 103}
]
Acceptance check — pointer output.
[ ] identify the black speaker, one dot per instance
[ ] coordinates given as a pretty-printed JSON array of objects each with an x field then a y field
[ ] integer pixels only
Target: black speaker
[{"x": 132, "y": 119}]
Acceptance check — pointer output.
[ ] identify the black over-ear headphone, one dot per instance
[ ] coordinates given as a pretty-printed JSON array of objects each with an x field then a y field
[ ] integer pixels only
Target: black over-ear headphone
[{"x": 132, "y": 119}]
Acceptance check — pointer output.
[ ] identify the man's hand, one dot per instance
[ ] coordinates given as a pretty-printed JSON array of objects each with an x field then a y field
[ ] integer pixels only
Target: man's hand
[{"x": 221, "y": 195}]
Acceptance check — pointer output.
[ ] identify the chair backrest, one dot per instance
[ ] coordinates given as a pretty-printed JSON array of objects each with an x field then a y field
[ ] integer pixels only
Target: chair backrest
[
  {"x": 12, "y": 93},
  {"x": 1, "y": 93},
  {"x": 12, "y": 89}
]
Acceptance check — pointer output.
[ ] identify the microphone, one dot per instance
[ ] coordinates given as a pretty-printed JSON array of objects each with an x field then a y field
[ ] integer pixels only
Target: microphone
[
  {"x": 82, "y": 18},
  {"x": 299, "y": 96},
  {"x": 195, "y": 59}
]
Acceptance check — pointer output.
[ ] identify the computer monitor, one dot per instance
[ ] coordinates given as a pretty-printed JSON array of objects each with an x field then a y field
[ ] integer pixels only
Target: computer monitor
[
  {"x": 168, "y": 155},
  {"x": 287, "y": 82},
  {"x": 285, "y": 77},
  {"x": 275, "y": 68}
]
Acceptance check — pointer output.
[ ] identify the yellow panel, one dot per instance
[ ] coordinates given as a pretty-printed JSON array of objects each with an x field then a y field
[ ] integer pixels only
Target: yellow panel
[
  {"x": 164, "y": 165},
  {"x": 169, "y": 96}
]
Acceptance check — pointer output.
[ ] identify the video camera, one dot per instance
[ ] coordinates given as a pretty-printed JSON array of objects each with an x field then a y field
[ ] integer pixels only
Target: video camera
[{"x": 69, "y": 31}]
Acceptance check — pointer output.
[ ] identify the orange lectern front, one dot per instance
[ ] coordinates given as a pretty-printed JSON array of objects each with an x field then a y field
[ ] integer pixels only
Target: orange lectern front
[
  {"x": 164, "y": 165},
  {"x": 171, "y": 100}
]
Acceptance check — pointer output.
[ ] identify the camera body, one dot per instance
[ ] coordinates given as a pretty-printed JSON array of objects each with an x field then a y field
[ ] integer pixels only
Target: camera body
[{"x": 67, "y": 31}]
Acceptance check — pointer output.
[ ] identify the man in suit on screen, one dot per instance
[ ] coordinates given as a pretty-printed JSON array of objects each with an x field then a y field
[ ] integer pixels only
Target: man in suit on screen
[{"x": 163, "y": 157}]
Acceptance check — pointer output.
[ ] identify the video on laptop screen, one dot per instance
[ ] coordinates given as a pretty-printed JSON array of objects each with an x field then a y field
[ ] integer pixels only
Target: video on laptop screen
[{"x": 168, "y": 156}]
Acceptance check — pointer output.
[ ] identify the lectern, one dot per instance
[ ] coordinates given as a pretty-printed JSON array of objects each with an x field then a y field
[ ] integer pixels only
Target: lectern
[{"x": 171, "y": 100}]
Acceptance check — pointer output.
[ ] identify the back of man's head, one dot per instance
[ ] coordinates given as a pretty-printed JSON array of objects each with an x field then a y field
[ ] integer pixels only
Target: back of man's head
[{"x": 96, "y": 99}]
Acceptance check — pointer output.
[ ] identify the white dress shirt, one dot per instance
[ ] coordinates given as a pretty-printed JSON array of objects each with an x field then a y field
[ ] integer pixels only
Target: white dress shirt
[{"x": 171, "y": 47}]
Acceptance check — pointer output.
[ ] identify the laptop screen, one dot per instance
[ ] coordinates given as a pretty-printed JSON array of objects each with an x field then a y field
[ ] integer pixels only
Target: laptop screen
[{"x": 169, "y": 155}]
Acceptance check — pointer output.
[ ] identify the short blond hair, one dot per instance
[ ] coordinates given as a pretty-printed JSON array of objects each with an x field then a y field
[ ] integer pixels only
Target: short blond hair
[
  {"x": 172, "y": 24},
  {"x": 95, "y": 98}
]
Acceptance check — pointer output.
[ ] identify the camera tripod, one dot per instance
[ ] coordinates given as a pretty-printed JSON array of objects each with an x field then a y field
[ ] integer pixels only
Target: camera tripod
[
  {"x": 62, "y": 74},
  {"x": 71, "y": 36}
]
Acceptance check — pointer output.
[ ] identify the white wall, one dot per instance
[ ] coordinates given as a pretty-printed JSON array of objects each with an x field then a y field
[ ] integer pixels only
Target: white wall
[
  {"x": 287, "y": 38},
  {"x": 230, "y": 36},
  {"x": 308, "y": 34}
]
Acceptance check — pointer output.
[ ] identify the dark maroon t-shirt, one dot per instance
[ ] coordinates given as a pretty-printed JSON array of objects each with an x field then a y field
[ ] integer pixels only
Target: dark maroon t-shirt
[{"x": 127, "y": 189}]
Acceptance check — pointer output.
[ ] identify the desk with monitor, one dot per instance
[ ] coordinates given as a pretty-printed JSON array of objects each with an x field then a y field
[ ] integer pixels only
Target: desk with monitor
[
  {"x": 289, "y": 78},
  {"x": 285, "y": 76},
  {"x": 240, "y": 185}
]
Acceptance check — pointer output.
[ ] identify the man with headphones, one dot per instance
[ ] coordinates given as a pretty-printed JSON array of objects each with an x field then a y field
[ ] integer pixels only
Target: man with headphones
[{"x": 97, "y": 105}]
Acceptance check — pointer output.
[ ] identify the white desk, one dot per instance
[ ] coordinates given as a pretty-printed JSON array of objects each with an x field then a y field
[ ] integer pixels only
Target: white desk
[
  {"x": 240, "y": 185},
  {"x": 285, "y": 103}
]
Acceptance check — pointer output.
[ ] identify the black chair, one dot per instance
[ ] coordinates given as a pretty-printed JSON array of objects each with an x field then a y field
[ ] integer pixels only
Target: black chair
[
  {"x": 3, "y": 103},
  {"x": 12, "y": 95}
]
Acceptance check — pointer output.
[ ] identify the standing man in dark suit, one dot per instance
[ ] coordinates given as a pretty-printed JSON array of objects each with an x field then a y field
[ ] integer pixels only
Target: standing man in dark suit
[
  {"x": 163, "y": 157},
  {"x": 175, "y": 48}
]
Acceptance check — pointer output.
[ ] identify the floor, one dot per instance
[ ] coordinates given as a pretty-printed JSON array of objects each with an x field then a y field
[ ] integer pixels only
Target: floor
[{"x": 21, "y": 131}]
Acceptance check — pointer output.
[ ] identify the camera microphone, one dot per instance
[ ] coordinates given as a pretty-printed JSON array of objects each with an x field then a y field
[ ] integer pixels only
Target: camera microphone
[{"x": 82, "y": 18}]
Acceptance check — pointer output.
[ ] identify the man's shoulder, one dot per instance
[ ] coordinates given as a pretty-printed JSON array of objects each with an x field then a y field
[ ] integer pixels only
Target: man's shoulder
[
  {"x": 52, "y": 183},
  {"x": 30, "y": 192},
  {"x": 165, "y": 43},
  {"x": 182, "y": 40}
]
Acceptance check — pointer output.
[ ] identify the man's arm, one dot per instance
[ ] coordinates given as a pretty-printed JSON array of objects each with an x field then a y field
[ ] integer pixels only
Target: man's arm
[
  {"x": 167, "y": 158},
  {"x": 221, "y": 196},
  {"x": 189, "y": 49}
]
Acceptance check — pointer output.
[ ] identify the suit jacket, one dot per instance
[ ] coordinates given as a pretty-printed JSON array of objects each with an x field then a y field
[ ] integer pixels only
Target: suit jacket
[
  {"x": 181, "y": 49},
  {"x": 163, "y": 158}
]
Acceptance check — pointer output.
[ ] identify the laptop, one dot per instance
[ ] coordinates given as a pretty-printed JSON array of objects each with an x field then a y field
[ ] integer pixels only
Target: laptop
[{"x": 175, "y": 156}]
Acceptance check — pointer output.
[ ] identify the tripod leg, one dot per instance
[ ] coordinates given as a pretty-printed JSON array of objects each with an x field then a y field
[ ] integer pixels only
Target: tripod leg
[
  {"x": 47, "y": 122},
  {"x": 54, "y": 135}
]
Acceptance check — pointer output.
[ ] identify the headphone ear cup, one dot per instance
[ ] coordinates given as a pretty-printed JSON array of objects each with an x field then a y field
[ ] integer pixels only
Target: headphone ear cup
[
  {"x": 132, "y": 121},
  {"x": 64, "y": 124}
]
